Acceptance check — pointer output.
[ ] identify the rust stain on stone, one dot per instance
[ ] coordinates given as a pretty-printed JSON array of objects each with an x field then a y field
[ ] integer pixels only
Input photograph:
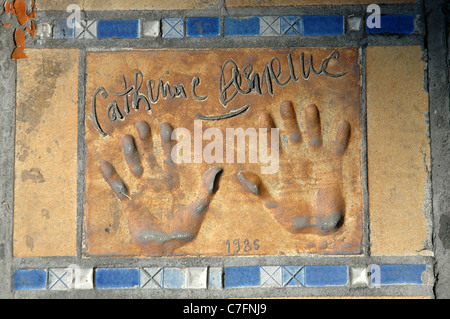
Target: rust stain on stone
[
  {"x": 307, "y": 99},
  {"x": 19, "y": 9},
  {"x": 19, "y": 39}
]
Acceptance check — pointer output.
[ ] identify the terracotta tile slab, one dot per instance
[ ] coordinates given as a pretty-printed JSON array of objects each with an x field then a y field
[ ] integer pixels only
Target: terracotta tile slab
[
  {"x": 45, "y": 189},
  {"x": 267, "y": 3},
  {"x": 128, "y": 5},
  {"x": 398, "y": 150},
  {"x": 312, "y": 203}
]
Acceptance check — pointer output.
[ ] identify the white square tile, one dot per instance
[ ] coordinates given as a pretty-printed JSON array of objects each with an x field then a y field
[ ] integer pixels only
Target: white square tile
[
  {"x": 83, "y": 278},
  {"x": 43, "y": 30},
  {"x": 196, "y": 277},
  {"x": 358, "y": 276},
  {"x": 151, "y": 28},
  {"x": 354, "y": 23}
]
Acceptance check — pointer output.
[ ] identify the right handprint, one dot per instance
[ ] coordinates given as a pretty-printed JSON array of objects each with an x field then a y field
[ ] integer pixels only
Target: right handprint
[{"x": 309, "y": 196}]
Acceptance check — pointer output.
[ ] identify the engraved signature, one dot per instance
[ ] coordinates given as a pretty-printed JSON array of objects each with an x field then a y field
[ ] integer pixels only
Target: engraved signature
[{"x": 233, "y": 80}]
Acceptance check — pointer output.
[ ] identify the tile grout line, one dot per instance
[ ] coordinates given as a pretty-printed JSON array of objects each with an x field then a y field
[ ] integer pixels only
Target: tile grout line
[
  {"x": 7, "y": 158},
  {"x": 94, "y": 262},
  {"x": 346, "y": 40},
  {"x": 81, "y": 187},
  {"x": 13, "y": 164},
  {"x": 400, "y": 290},
  {"x": 439, "y": 110},
  {"x": 365, "y": 167}
]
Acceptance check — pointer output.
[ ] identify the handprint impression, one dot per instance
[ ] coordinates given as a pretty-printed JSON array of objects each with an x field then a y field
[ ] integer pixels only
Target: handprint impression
[
  {"x": 162, "y": 228},
  {"x": 309, "y": 197}
]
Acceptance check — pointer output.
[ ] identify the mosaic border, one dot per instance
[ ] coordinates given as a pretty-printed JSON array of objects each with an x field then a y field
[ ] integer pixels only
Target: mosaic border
[
  {"x": 280, "y": 276},
  {"x": 211, "y": 26}
]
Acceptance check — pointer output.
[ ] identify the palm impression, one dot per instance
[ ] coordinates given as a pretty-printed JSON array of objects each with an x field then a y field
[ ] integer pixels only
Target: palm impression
[
  {"x": 309, "y": 195},
  {"x": 166, "y": 225}
]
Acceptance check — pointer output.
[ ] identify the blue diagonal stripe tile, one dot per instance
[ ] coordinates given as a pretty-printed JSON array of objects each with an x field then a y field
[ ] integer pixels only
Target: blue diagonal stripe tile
[
  {"x": 200, "y": 27},
  {"x": 86, "y": 30},
  {"x": 394, "y": 23},
  {"x": 293, "y": 276},
  {"x": 245, "y": 26},
  {"x": 271, "y": 276},
  {"x": 322, "y": 276},
  {"x": 270, "y": 26},
  {"x": 290, "y": 25},
  {"x": 322, "y": 25},
  {"x": 29, "y": 279},
  {"x": 236, "y": 277},
  {"x": 151, "y": 278},
  {"x": 116, "y": 278},
  {"x": 172, "y": 28},
  {"x": 401, "y": 274},
  {"x": 124, "y": 29}
]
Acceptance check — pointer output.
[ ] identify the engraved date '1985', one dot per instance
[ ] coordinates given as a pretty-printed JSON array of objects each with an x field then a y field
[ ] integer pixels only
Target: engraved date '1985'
[{"x": 238, "y": 245}]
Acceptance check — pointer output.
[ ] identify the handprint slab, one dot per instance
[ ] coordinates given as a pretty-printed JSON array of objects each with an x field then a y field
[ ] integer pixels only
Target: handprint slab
[{"x": 313, "y": 202}]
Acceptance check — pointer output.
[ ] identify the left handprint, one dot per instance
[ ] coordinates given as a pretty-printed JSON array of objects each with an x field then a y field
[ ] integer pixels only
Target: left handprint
[{"x": 166, "y": 226}]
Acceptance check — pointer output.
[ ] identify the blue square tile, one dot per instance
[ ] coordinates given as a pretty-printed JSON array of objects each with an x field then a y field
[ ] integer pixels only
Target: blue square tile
[
  {"x": 173, "y": 28},
  {"x": 322, "y": 25},
  {"x": 322, "y": 276},
  {"x": 290, "y": 25},
  {"x": 246, "y": 26},
  {"x": 62, "y": 31},
  {"x": 173, "y": 278},
  {"x": 242, "y": 277},
  {"x": 215, "y": 277},
  {"x": 203, "y": 27},
  {"x": 29, "y": 279},
  {"x": 123, "y": 29},
  {"x": 293, "y": 276},
  {"x": 394, "y": 23},
  {"x": 116, "y": 278},
  {"x": 401, "y": 274}
]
